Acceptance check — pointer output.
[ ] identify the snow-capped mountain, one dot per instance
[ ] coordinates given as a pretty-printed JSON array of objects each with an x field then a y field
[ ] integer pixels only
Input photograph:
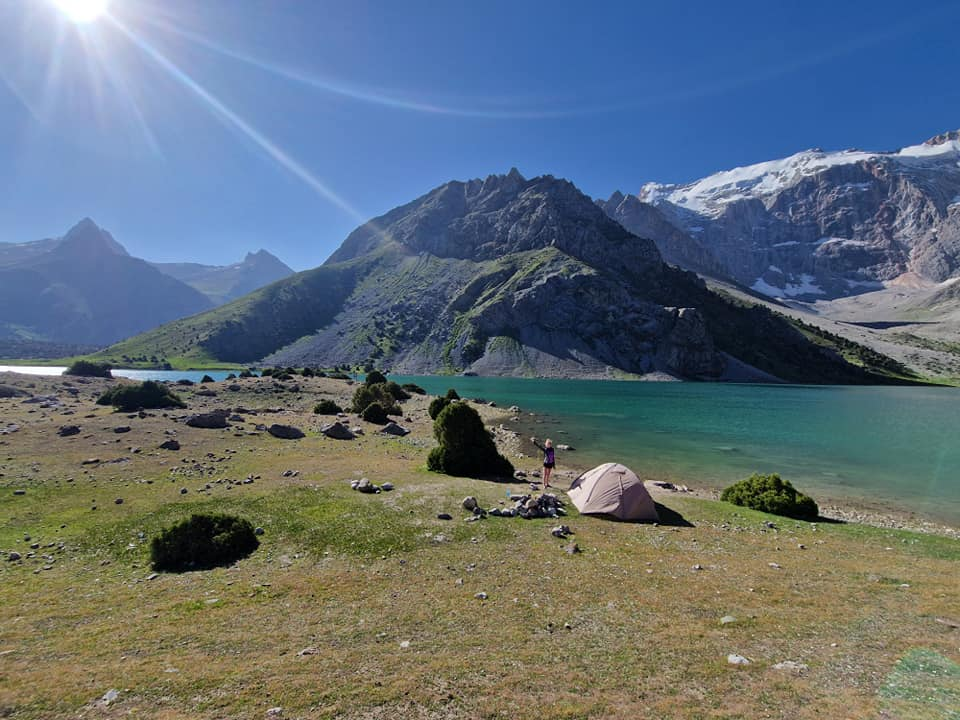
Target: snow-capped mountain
[{"x": 819, "y": 225}]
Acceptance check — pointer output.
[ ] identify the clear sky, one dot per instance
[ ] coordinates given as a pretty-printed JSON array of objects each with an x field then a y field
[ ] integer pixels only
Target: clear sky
[{"x": 196, "y": 130}]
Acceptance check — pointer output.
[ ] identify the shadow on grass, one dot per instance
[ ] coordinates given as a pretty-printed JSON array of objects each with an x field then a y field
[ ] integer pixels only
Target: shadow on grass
[{"x": 671, "y": 518}]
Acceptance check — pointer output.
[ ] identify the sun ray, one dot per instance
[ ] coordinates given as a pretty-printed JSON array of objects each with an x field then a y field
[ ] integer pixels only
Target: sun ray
[
  {"x": 366, "y": 95},
  {"x": 221, "y": 110}
]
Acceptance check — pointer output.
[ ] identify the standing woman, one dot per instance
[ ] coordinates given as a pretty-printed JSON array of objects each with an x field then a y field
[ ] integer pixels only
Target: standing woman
[{"x": 549, "y": 459}]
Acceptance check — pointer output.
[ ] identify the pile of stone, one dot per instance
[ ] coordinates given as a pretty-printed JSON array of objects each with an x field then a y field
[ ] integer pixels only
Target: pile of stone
[
  {"x": 365, "y": 486},
  {"x": 527, "y": 507}
]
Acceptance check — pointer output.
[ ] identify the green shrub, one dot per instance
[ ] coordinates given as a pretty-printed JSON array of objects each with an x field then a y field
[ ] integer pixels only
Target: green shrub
[
  {"x": 436, "y": 406},
  {"x": 85, "y": 368},
  {"x": 203, "y": 542},
  {"x": 452, "y": 394},
  {"x": 364, "y": 395},
  {"x": 267, "y": 372},
  {"x": 146, "y": 395},
  {"x": 336, "y": 375},
  {"x": 374, "y": 377},
  {"x": 466, "y": 448},
  {"x": 231, "y": 376},
  {"x": 307, "y": 372},
  {"x": 374, "y": 413},
  {"x": 207, "y": 379},
  {"x": 327, "y": 407},
  {"x": 414, "y": 388},
  {"x": 397, "y": 391},
  {"x": 247, "y": 374},
  {"x": 771, "y": 494}
]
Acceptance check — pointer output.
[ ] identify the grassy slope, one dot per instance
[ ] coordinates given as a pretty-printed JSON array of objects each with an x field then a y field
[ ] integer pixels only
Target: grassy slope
[{"x": 353, "y": 576}]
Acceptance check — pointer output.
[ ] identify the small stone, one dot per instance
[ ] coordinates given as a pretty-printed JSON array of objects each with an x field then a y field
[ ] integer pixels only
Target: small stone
[
  {"x": 275, "y": 712},
  {"x": 727, "y": 620},
  {"x": 152, "y": 576},
  {"x": 791, "y": 666},
  {"x": 19, "y": 492},
  {"x": 572, "y": 549},
  {"x": 258, "y": 531},
  {"x": 110, "y": 696},
  {"x": 775, "y": 566},
  {"x": 308, "y": 651},
  {"x": 170, "y": 445},
  {"x": 481, "y": 596},
  {"x": 735, "y": 659},
  {"x": 405, "y": 644},
  {"x": 122, "y": 429},
  {"x": 697, "y": 567},
  {"x": 13, "y": 555},
  {"x": 387, "y": 486},
  {"x": 183, "y": 491}
]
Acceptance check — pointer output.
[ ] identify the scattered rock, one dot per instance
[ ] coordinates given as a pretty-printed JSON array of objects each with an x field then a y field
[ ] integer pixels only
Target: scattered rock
[
  {"x": 9, "y": 391},
  {"x": 285, "y": 432},
  {"x": 118, "y": 501},
  {"x": 91, "y": 461},
  {"x": 727, "y": 620},
  {"x": 120, "y": 429},
  {"x": 775, "y": 566},
  {"x": 444, "y": 516},
  {"x": 337, "y": 431},
  {"x": 258, "y": 531},
  {"x": 275, "y": 712},
  {"x": 19, "y": 492},
  {"x": 567, "y": 448},
  {"x": 572, "y": 549},
  {"x": 210, "y": 421},
  {"x": 365, "y": 486},
  {"x": 791, "y": 666},
  {"x": 308, "y": 651},
  {"x": 170, "y": 444},
  {"x": 735, "y": 659},
  {"x": 391, "y": 428},
  {"x": 13, "y": 555},
  {"x": 561, "y": 531},
  {"x": 110, "y": 696},
  {"x": 68, "y": 430},
  {"x": 290, "y": 473},
  {"x": 481, "y": 596},
  {"x": 387, "y": 486}
]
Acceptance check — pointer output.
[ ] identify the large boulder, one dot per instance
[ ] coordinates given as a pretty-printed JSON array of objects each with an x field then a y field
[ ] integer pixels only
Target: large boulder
[
  {"x": 285, "y": 432},
  {"x": 392, "y": 428},
  {"x": 68, "y": 430},
  {"x": 211, "y": 420},
  {"x": 337, "y": 431},
  {"x": 9, "y": 391}
]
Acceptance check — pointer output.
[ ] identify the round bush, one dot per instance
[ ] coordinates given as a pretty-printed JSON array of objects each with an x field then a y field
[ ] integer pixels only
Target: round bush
[
  {"x": 466, "y": 448},
  {"x": 85, "y": 368},
  {"x": 374, "y": 377},
  {"x": 327, "y": 407},
  {"x": 452, "y": 394},
  {"x": 207, "y": 379},
  {"x": 436, "y": 406},
  {"x": 396, "y": 391},
  {"x": 203, "y": 542},
  {"x": 364, "y": 395},
  {"x": 414, "y": 388},
  {"x": 771, "y": 494},
  {"x": 374, "y": 413},
  {"x": 146, "y": 395}
]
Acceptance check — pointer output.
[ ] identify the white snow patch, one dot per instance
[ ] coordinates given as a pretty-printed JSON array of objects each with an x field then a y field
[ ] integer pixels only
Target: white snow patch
[
  {"x": 842, "y": 241},
  {"x": 775, "y": 269},
  {"x": 761, "y": 286},
  {"x": 695, "y": 229},
  {"x": 804, "y": 287},
  {"x": 711, "y": 194},
  {"x": 786, "y": 244}
]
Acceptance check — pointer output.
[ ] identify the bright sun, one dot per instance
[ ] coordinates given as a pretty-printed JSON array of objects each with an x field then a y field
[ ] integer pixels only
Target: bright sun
[{"x": 82, "y": 11}]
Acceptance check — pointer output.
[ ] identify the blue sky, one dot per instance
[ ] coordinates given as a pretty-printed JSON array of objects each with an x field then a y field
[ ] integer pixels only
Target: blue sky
[{"x": 196, "y": 131}]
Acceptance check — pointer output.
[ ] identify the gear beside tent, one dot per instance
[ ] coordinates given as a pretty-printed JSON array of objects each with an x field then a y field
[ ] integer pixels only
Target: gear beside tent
[{"x": 612, "y": 489}]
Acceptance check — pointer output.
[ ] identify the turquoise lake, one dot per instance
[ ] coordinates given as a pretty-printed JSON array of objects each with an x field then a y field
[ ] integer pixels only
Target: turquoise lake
[{"x": 893, "y": 446}]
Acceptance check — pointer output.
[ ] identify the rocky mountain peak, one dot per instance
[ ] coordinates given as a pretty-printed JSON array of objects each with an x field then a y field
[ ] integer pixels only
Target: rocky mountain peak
[
  {"x": 943, "y": 138},
  {"x": 89, "y": 238}
]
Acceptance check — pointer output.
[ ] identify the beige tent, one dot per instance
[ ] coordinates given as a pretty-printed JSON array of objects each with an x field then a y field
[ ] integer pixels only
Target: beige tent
[{"x": 613, "y": 489}]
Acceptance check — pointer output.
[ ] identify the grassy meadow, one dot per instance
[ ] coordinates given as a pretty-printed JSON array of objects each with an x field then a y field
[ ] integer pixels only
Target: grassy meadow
[{"x": 366, "y": 606}]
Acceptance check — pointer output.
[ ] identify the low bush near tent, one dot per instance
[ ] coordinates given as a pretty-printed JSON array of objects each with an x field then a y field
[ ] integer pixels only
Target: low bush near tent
[
  {"x": 147, "y": 395},
  {"x": 771, "y": 494},
  {"x": 466, "y": 448}
]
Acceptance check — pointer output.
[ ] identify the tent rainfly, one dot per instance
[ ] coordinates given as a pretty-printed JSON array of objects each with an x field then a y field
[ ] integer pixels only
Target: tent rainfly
[{"x": 612, "y": 489}]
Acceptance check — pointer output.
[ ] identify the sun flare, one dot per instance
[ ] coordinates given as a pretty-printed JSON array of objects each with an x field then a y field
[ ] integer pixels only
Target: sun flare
[{"x": 82, "y": 11}]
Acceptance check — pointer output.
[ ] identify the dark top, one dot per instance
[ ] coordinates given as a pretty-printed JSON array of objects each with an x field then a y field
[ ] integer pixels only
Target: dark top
[{"x": 548, "y": 454}]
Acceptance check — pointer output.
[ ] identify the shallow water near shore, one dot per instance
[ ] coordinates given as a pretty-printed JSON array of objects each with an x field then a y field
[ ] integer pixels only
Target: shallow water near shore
[{"x": 897, "y": 447}]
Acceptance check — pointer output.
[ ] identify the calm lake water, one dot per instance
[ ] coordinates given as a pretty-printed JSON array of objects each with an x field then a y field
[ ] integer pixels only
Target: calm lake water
[{"x": 895, "y": 446}]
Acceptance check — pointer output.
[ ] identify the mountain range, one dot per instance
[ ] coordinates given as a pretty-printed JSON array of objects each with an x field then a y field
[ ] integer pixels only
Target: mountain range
[
  {"x": 502, "y": 276},
  {"x": 85, "y": 289},
  {"x": 816, "y": 225}
]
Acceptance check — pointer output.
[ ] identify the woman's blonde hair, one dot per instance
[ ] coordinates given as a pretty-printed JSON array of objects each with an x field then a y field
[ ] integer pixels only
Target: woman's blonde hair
[{"x": 548, "y": 442}]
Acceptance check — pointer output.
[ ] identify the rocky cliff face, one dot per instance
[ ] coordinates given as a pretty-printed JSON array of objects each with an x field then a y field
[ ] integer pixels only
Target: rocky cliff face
[{"x": 815, "y": 225}]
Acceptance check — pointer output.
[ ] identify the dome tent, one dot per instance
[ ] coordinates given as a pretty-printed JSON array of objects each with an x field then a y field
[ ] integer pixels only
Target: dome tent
[{"x": 612, "y": 489}]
